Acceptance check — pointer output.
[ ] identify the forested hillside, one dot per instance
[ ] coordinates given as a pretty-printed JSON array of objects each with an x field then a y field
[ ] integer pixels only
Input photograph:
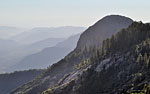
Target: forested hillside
[
  {"x": 67, "y": 65},
  {"x": 121, "y": 66}
]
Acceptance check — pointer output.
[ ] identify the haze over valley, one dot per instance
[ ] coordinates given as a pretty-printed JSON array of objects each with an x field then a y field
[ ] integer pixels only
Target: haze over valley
[{"x": 22, "y": 45}]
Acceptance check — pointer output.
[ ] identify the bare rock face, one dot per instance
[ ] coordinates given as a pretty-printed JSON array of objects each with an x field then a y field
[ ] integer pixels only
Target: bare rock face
[{"x": 101, "y": 30}]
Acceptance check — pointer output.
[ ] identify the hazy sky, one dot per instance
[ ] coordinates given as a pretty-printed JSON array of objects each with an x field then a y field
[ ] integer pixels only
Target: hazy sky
[{"x": 39, "y": 13}]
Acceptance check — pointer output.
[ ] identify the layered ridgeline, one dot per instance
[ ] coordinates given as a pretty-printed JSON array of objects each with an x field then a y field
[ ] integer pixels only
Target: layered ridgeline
[
  {"x": 57, "y": 71},
  {"x": 47, "y": 56},
  {"x": 42, "y": 33},
  {"x": 121, "y": 66},
  {"x": 10, "y": 81},
  {"x": 17, "y": 47}
]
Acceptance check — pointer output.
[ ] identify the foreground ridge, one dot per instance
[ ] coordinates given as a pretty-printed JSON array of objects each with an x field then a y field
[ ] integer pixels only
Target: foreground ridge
[{"x": 121, "y": 66}]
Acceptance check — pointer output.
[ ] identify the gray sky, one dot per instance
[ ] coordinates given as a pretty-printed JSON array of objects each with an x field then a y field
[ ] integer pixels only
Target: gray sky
[{"x": 54, "y": 13}]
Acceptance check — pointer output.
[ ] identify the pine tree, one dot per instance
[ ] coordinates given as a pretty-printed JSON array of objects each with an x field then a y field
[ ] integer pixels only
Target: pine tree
[
  {"x": 145, "y": 57},
  {"x": 147, "y": 62},
  {"x": 137, "y": 49},
  {"x": 139, "y": 58},
  {"x": 144, "y": 43}
]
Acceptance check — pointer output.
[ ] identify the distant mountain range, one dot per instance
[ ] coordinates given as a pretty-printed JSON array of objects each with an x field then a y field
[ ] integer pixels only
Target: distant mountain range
[
  {"x": 50, "y": 42},
  {"x": 16, "y": 48},
  {"x": 7, "y": 31},
  {"x": 47, "y": 56},
  {"x": 39, "y": 34},
  {"x": 7, "y": 44}
]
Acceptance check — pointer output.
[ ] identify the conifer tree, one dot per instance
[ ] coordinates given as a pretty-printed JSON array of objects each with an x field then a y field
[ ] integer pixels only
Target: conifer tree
[
  {"x": 145, "y": 57},
  {"x": 137, "y": 49},
  {"x": 139, "y": 58}
]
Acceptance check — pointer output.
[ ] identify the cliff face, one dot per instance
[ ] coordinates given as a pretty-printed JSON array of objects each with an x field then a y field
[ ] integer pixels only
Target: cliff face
[{"x": 101, "y": 30}]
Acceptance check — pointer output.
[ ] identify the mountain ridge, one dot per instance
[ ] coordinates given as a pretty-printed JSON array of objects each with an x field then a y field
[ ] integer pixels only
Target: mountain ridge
[
  {"x": 121, "y": 66},
  {"x": 57, "y": 71},
  {"x": 102, "y": 30}
]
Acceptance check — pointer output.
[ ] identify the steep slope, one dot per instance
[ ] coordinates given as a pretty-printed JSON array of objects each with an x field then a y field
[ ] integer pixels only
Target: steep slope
[
  {"x": 55, "y": 72},
  {"x": 10, "y": 81},
  {"x": 103, "y": 29},
  {"x": 121, "y": 67}
]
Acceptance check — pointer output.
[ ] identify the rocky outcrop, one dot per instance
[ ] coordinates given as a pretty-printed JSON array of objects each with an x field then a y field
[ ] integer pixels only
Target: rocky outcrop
[{"x": 101, "y": 30}]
